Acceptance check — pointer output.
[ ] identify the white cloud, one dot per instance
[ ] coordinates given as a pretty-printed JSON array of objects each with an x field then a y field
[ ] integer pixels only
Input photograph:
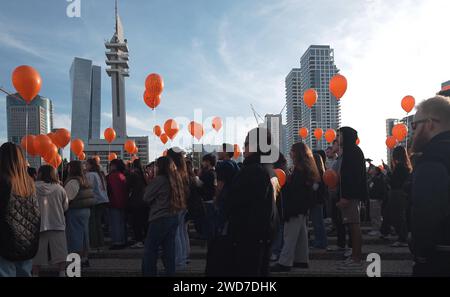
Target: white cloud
[{"x": 62, "y": 120}]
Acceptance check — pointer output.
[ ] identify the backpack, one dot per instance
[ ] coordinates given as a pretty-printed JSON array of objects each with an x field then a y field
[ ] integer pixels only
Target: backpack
[{"x": 19, "y": 228}]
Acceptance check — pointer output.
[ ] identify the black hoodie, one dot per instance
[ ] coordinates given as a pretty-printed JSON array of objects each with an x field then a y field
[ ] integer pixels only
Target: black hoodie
[{"x": 353, "y": 185}]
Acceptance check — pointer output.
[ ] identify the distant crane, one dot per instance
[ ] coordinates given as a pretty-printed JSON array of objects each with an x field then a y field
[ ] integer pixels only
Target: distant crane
[{"x": 256, "y": 115}]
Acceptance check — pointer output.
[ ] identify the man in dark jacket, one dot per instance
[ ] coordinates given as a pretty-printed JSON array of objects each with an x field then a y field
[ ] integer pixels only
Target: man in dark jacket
[
  {"x": 430, "y": 221},
  {"x": 250, "y": 211},
  {"x": 352, "y": 190}
]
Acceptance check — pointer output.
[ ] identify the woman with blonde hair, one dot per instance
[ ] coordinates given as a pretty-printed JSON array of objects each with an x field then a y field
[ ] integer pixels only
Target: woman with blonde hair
[{"x": 19, "y": 214}]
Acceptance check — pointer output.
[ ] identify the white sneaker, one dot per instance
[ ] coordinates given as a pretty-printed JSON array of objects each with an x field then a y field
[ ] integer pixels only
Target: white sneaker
[
  {"x": 374, "y": 233},
  {"x": 351, "y": 265},
  {"x": 348, "y": 253},
  {"x": 137, "y": 245},
  {"x": 399, "y": 244}
]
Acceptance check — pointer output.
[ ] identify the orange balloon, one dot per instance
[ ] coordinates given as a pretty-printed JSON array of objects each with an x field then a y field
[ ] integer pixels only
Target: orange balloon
[
  {"x": 318, "y": 133},
  {"x": 171, "y": 128},
  {"x": 51, "y": 152},
  {"x": 82, "y": 156},
  {"x": 42, "y": 143},
  {"x": 130, "y": 146},
  {"x": 196, "y": 130},
  {"x": 157, "y": 130},
  {"x": 112, "y": 156},
  {"x": 217, "y": 123},
  {"x": 330, "y": 135},
  {"x": 357, "y": 141},
  {"x": 281, "y": 176},
  {"x": 303, "y": 132},
  {"x": 55, "y": 161},
  {"x": 338, "y": 86},
  {"x": 53, "y": 137},
  {"x": 391, "y": 142},
  {"x": 27, "y": 81},
  {"x": 152, "y": 100},
  {"x": 27, "y": 144},
  {"x": 164, "y": 138},
  {"x": 408, "y": 103},
  {"x": 330, "y": 178},
  {"x": 237, "y": 152},
  {"x": 110, "y": 134},
  {"x": 62, "y": 137},
  {"x": 154, "y": 84},
  {"x": 310, "y": 97},
  {"x": 77, "y": 146},
  {"x": 400, "y": 131}
]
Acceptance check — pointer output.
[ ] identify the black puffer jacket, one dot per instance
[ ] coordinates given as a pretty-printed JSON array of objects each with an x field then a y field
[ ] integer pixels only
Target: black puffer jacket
[{"x": 19, "y": 225}]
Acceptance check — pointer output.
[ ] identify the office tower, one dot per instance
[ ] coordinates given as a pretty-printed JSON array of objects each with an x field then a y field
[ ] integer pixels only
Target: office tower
[
  {"x": 85, "y": 82},
  {"x": 35, "y": 118},
  {"x": 317, "y": 68},
  {"x": 293, "y": 107}
]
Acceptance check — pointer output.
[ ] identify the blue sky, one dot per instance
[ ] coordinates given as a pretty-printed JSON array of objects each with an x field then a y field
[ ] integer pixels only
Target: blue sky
[{"x": 222, "y": 55}]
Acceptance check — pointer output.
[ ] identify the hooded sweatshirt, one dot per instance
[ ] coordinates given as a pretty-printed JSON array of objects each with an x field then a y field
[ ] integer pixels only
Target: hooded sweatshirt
[
  {"x": 353, "y": 185},
  {"x": 53, "y": 202}
]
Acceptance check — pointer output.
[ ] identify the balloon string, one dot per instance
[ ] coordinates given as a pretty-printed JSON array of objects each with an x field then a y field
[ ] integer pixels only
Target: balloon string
[
  {"x": 26, "y": 132},
  {"x": 154, "y": 144},
  {"x": 407, "y": 126}
]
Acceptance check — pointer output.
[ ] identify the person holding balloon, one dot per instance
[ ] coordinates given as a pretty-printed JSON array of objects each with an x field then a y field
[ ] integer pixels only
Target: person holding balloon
[{"x": 299, "y": 199}]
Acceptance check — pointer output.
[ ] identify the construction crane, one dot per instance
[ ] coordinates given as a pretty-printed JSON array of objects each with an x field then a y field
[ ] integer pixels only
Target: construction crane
[{"x": 256, "y": 115}]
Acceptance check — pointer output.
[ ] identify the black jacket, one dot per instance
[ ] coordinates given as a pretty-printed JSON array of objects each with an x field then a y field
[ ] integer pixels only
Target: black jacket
[
  {"x": 299, "y": 196},
  {"x": 250, "y": 208},
  {"x": 19, "y": 225},
  {"x": 136, "y": 186},
  {"x": 353, "y": 184},
  {"x": 430, "y": 214}
]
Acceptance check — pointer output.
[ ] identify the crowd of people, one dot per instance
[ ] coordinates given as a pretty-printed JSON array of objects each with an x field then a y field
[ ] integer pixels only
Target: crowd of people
[{"x": 252, "y": 223}]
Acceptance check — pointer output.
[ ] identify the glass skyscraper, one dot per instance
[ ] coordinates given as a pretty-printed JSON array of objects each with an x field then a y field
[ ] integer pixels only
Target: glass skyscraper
[{"x": 40, "y": 120}]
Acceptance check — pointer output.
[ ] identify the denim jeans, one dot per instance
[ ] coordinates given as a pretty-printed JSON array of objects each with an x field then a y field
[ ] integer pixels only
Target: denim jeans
[
  {"x": 161, "y": 232},
  {"x": 320, "y": 234},
  {"x": 181, "y": 242},
  {"x": 15, "y": 269},
  {"x": 77, "y": 229},
  {"x": 277, "y": 244},
  {"x": 117, "y": 226}
]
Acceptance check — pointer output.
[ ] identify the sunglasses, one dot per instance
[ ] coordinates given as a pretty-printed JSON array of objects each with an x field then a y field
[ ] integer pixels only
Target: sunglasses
[{"x": 416, "y": 123}]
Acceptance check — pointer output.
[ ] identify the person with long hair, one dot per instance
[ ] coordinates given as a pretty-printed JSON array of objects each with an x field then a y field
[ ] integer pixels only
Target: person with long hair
[
  {"x": 137, "y": 209},
  {"x": 182, "y": 244},
  {"x": 317, "y": 211},
  {"x": 19, "y": 214},
  {"x": 397, "y": 195},
  {"x": 165, "y": 196},
  {"x": 299, "y": 199},
  {"x": 81, "y": 199},
  {"x": 97, "y": 181},
  {"x": 118, "y": 197},
  {"x": 53, "y": 202}
]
